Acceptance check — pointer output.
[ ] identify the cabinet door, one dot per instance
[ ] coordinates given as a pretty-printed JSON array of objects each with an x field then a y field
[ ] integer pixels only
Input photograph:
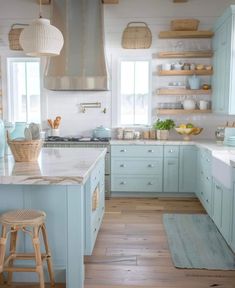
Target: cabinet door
[
  {"x": 227, "y": 215},
  {"x": 187, "y": 169},
  {"x": 171, "y": 175},
  {"x": 217, "y": 204},
  {"x": 233, "y": 221},
  {"x": 221, "y": 65}
]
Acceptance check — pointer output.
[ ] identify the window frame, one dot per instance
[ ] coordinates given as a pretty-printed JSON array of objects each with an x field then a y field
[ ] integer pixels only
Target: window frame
[
  {"x": 9, "y": 103},
  {"x": 116, "y": 107}
]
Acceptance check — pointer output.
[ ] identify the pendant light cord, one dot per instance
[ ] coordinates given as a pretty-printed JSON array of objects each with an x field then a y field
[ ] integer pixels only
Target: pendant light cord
[{"x": 40, "y": 9}]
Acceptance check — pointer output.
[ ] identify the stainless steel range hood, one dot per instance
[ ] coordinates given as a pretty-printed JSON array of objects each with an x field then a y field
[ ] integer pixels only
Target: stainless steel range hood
[{"x": 81, "y": 64}]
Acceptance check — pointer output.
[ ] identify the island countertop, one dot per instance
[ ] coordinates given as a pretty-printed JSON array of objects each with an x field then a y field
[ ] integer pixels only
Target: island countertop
[{"x": 55, "y": 166}]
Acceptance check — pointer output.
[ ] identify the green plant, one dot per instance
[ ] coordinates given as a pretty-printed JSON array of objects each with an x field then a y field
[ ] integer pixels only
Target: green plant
[{"x": 167, "y": 124}]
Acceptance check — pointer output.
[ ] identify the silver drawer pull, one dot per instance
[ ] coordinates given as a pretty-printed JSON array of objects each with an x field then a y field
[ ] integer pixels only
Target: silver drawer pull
[
  {"x": 150, "y": 151},
  {"x": 150, "y": 183},
  {"x": 171, "y": 151},
  {"x": 122, "y": 165},
  {"x": 150, "y": 165},
  {"x": 217, "y": 187},
  {"x": 122, "y": 183},
  {"x": 208, "y": 160},
  {"x": 123, "y": 150},
  {"x": 207, "y": 200},
  {"x": 170, "y": 163},
  {"x": 207, "y": 178}
]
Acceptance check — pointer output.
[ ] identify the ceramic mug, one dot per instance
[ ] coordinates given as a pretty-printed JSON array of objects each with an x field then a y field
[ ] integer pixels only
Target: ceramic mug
[{"x": 203, "y": 105}]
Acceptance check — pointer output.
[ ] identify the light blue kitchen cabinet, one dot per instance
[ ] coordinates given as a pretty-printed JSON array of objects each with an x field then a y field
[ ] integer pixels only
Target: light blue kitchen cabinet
[
  {"x": 233, "y": 221},
  {"x": 224, "y": 64},
  {"x": 187, "y": 169},
  {"x": 136, "y": 168},
  {"x": 222, "y": 209},
  {"x": 171, "y": 174},
  {"x": 204, "y": 178}
]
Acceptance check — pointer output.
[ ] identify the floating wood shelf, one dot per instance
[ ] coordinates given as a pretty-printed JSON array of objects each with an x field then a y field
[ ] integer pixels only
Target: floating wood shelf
[
  {"x": 180, "y": 111},
  {"x": 185, "y": 34},
  {"x": 183, "y": 72},
  {"x": 45, "y": 2},
  {"x": 184, "y": 54},
  {"x": 179, "y": 91}
]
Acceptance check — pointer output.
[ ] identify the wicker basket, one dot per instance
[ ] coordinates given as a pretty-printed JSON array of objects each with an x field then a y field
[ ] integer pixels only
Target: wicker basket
[
  {"x": 14, "y": 36},
  {"x": 184, "y": 24},
  {"x": 25, "y": 151},
  {"x": 137, "y": 37}
]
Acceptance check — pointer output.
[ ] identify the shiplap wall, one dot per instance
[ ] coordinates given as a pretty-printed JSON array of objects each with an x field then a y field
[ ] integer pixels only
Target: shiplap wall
[{"x": 158, "y": 14}]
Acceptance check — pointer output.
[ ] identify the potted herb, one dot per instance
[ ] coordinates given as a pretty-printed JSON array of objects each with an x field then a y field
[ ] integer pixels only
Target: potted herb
[{"x": 163, "y": 127}]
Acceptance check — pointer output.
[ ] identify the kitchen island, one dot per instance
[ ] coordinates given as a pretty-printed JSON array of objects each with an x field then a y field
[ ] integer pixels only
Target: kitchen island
[{"x": 61, "y": 183}]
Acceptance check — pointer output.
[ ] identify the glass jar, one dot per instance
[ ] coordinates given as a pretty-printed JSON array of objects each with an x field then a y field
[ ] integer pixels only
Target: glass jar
[
  {"x": 18, "y": 132},
  {"x": 146, "y": 134},
  {"x": 128, "y": 134}
]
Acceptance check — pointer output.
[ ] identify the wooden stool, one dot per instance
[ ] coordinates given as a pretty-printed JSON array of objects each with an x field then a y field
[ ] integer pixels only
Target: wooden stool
[{"x": 14, "y": 221}]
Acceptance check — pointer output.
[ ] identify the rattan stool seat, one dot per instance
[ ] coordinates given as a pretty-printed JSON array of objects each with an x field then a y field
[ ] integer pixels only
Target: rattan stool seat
[
  {"x": 31, "y": 223},
  {"x": 23, "y": 217}
]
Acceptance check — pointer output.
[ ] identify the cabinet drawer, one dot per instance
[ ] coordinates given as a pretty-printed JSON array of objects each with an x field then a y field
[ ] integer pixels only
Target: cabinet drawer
[
  {"x": 137, "y": 184},
  {"x": 96, "y": 174},
  {"x": 171, "y": 151},
  {"x": 136, "y": 151},
  {"x": 136, "y": 166}
]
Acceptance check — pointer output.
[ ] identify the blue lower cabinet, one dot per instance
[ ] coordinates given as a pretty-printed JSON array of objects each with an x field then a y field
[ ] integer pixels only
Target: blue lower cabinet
[
  {"x": 222, "y": 210},
  {"x": 137, "y": 168},
  {"x": 233, "y": 222},
  {"x": 171, "y": 175},
  {"x": 187, "y": 169},
  {"x": 135, "y": 183},
  {"x": 94, "y": 212}
]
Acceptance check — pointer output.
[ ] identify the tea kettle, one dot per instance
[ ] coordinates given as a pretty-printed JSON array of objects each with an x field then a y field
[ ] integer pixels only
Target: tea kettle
[{"x": 194, "y": 82}]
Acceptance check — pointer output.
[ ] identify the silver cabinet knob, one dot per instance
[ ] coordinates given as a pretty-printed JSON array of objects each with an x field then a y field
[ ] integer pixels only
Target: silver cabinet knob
[
  {"x": 123, "y": 150},
  {"x": 150, "y": 165},
  {"x": 122, "y": 165},
  {"x": 150, "y": 151},
  {"x": 171, "y": 151},
  {"x": 217, "y": 186},
  {"x": 207, "y": 178},
  {"x": 150, "y": 183},
  {"x": 122, "y": 183}
]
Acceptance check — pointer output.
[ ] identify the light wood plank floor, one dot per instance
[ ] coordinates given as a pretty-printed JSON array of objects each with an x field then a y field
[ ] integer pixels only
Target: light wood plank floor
[{"x": 132, "y": 251}]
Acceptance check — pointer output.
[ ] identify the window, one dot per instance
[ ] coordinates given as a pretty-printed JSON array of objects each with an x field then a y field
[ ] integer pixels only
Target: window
[
  {"x": 134, "y": 108},
  {"x": 24, "y": 89}
]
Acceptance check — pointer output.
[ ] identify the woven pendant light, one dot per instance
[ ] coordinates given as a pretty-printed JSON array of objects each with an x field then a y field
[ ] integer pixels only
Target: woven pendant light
[{"x": 41, "y": 38}]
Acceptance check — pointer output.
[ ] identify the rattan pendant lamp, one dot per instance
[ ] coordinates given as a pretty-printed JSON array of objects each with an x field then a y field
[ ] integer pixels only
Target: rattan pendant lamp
[{"x": 41, "y": 38}]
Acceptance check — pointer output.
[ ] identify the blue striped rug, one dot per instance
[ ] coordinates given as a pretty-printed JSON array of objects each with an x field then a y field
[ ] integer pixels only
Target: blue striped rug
[{"x": 196, "y": 243}]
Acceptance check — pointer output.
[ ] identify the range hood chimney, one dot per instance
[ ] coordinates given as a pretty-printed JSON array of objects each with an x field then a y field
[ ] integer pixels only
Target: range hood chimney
[{"x": 81, "y": 64}]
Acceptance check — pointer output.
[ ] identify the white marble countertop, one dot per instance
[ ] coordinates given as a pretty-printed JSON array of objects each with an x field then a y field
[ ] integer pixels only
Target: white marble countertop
[{"x": 55, "y": 166}]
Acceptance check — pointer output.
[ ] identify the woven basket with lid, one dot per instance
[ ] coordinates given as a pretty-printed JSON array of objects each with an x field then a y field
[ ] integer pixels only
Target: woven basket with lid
[
  {"x": 184, "y": 25},
  {"x": 138, "y": 36}
]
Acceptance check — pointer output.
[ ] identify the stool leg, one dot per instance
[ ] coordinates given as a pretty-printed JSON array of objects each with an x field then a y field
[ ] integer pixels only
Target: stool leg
[
  {"x": 3, "y": 241},
  {"x": 48, "y": 252},
  {"x": 12, "y": 251},
  {"x": 38, "y": 257}
]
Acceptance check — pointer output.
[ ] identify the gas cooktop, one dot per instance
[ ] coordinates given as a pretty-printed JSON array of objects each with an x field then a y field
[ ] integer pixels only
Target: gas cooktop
[{"x": 75, "y": 139}]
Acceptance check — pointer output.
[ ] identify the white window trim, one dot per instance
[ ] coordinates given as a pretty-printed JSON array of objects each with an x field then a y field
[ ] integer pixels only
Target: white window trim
[
  {"x": 8, "y": 104},
  {"x": 116, "y": 101}
]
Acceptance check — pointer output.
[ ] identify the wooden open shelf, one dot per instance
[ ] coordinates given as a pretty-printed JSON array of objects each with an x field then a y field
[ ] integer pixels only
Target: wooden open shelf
[
  {"x": 183, "y": 72},
  {"x": 179, "y": 91},
  {"x": 110, "y": 1},
  {"x": 181, "y": 111},
  {"x": 184, "y": 54},
  {"x": 185, "y": 34}
]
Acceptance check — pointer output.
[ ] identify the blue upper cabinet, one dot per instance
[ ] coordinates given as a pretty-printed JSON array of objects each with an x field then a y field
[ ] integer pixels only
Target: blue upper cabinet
[{"x": 224, "y": 65}]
